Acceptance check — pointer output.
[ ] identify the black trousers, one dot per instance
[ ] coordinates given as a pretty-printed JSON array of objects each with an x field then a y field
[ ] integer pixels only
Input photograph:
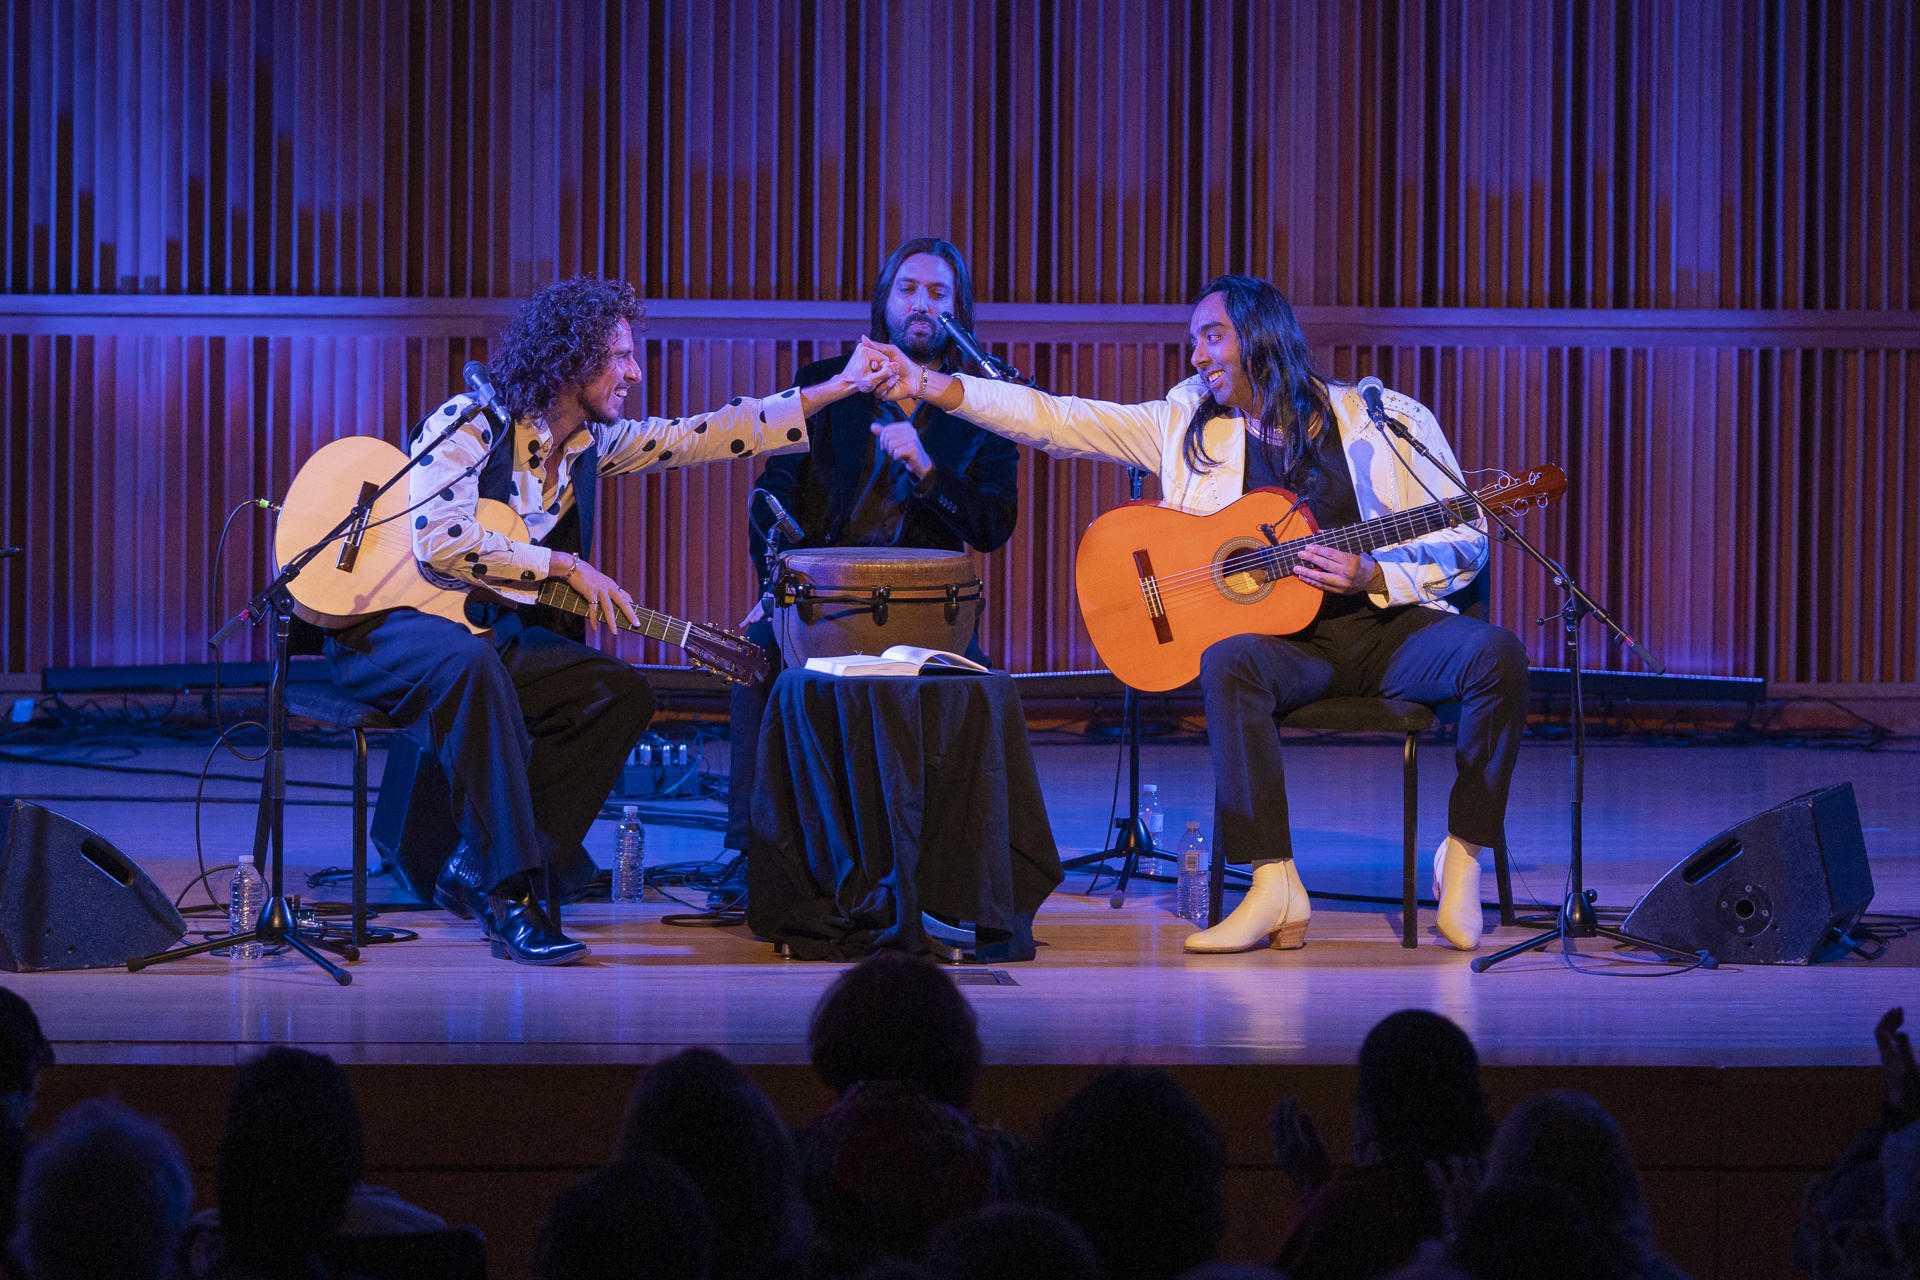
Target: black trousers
[
  {"x": 531, "y": 728},
  {"x": 1411, "y": 652}
]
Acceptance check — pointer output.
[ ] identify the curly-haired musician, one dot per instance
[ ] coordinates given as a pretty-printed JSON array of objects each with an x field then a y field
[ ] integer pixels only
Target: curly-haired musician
[{"x": 530, "y": 726}]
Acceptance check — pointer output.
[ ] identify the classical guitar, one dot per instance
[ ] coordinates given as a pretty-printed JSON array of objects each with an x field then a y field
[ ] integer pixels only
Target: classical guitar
[
  {"x": 373, "y": 569},
  {"x": 1157, "y": 586}
]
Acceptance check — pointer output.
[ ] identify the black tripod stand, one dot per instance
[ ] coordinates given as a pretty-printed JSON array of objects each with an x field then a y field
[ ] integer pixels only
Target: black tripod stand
[
  {"x": 1134, "y": 842},
  {"x": 1577, "y": 917},
  {"x": 276, "y": 921}
]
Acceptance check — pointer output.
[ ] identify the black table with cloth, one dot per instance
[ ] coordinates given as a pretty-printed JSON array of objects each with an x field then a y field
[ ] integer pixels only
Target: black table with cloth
[{"x": 882, "y": 797}]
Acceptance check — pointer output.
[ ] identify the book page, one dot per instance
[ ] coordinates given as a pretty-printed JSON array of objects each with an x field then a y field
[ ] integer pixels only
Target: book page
[{"x": 930, "y": 657}]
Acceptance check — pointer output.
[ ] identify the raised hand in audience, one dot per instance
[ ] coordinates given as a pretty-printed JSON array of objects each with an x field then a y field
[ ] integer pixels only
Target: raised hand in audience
[{"x": 1298, "y": 1148}]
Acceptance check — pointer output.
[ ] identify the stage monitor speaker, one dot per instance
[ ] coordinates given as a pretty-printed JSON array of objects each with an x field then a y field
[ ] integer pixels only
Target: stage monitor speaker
[
  {"x": 1779, "y": 888},
  {"x": 413, "y": 825},
  {"x": 70, "y": 900}
]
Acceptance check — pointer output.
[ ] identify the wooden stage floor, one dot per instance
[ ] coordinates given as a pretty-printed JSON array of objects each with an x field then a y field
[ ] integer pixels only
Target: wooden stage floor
[
  {"x": 1109, "y": 985},
  {"x": 1733, "y": 1086}
]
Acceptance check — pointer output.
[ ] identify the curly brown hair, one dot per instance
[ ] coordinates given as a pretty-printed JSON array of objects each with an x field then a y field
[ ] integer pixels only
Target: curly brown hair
[{"x": 559, "y": 340}]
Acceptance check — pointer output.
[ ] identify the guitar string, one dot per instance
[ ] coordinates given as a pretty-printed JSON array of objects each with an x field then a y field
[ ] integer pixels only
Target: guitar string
[
  {"x": 1368, "y": 535},
  {"x": 378, "y": 536},
  {"x": 1206, "y": 583},
  {"x": 1350, "y": 537}
]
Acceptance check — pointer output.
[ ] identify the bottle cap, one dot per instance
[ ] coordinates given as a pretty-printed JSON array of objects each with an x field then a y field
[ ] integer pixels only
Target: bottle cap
[
  {"x": 1151, "y": 786},
  {"x": 1193, "y": 826},
  {"x": 631, "y": 811}
]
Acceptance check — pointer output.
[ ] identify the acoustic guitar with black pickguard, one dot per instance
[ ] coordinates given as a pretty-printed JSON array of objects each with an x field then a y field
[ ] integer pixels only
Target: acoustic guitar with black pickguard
[{"x": 374, "y": 568}]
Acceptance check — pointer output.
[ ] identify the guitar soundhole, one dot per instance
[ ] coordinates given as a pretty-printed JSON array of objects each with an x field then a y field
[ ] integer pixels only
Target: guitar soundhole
[{"x": 1239, "y": 571}]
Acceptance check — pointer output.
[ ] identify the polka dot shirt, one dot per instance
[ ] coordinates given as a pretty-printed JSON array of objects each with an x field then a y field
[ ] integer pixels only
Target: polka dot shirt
[{"x": 458, "y": 547}]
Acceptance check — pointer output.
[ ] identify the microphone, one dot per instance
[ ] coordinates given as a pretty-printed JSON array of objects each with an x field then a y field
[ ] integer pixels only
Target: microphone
[
  {"x": 969, "y": 347},
  {"x": 8, "y": 553},
  {"x": 481, "y": 382},
  {"x": 788, "y": 526},
  {"x": 1371, "y": 389}
]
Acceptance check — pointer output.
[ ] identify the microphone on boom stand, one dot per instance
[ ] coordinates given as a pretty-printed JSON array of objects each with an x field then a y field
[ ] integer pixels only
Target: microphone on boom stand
[{"x": 991, "y": 365}]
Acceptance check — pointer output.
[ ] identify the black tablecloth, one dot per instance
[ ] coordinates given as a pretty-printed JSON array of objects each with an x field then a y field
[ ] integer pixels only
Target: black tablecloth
[{"x": 880, "y": 798}]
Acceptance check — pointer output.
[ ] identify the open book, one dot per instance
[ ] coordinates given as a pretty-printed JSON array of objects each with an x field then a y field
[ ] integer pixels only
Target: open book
[{"x": 900, "y": 660}]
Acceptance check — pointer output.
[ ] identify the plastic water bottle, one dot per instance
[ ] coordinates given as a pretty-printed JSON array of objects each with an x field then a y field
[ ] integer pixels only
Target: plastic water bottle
[
  {"x": 1152, "y": 816},
  {"x": 247, "y": 895},
  {"x": 630, "y": 857},
  {"x": 1190, "y": 893}
]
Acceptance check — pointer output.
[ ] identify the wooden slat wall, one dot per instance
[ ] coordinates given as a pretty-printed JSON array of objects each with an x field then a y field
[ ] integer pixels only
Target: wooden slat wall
[{"x": 1744, "y": 491}]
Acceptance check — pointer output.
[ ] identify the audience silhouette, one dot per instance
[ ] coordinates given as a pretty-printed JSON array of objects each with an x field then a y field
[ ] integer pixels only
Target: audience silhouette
[{"x": 898, "y": 1180}]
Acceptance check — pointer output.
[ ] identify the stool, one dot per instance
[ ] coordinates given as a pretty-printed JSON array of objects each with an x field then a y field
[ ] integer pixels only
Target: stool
[
  {"x": 325, "y": 702},
  {"x": 1379, "y": 715}
]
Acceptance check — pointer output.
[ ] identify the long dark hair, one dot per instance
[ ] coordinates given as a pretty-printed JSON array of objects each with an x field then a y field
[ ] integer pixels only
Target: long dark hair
[
  {"x": 558, "y": 341},
  {"x": 1275, "y": 359},
  {"x": 950, "y": 357}
]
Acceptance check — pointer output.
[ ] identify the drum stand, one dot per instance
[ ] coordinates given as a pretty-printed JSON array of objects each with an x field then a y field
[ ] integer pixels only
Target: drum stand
[{"x": 729, "y": 891}]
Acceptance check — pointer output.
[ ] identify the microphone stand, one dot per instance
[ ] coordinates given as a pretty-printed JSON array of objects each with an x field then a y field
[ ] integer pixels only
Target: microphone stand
[
  {"x": 1577, "y": 918},
  {"x": 276, "y": 923},
  {"x": 1133, "y": 841}
]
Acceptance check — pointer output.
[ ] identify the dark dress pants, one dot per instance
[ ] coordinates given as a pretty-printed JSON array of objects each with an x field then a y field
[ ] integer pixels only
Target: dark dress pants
[
  {"x": 531, "y": 729},
  {"x": 1410, "y": 652}
]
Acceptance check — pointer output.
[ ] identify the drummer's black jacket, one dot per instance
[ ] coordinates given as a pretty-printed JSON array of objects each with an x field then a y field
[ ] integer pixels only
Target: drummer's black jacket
[{"x": 971, "y": 501}]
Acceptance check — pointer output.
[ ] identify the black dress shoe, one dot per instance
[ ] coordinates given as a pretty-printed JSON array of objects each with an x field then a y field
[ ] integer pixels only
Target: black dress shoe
[
  {"x": 457, "y": 888},
  {"x": 520, "y": 931}
]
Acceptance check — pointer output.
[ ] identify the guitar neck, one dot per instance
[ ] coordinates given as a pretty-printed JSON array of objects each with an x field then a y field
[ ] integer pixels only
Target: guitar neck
[
  {"x": 655, "y": 626},
  {"x": 1370, "y": 535}
]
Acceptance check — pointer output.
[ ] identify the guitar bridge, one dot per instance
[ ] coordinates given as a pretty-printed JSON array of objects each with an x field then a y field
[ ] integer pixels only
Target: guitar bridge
[
  {"x": 350, "y": 544},
  {"x": 1150, "y": 589}
]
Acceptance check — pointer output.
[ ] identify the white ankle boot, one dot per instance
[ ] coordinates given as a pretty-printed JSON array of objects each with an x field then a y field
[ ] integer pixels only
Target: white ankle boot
[
  {"x": 1275, "y": 910},
  {"x": 1456, "y": 886}
]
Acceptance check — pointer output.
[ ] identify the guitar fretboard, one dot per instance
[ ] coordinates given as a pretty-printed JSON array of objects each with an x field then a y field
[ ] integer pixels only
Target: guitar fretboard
[
  {"x": 657, "y": 626},
  {"x": 1369, "y": 535}
]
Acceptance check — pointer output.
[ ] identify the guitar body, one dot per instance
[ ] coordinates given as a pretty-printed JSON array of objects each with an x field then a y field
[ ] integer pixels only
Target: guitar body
[
  {"x": 383, "y": 573},
  {"x": 1157, "y": 586},
  {"x": 1207, "y": 595}
]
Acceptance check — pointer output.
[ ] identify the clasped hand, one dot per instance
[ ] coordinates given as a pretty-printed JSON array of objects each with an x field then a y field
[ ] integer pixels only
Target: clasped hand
[{"x": 883, "y": 370}]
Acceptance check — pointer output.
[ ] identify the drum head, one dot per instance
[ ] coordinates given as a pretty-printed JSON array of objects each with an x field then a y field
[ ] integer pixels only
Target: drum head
[{"x": 829, "y": 567}]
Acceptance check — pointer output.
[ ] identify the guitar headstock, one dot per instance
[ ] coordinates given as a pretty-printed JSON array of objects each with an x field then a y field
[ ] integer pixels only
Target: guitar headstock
[
  {"x": 727, "y": 654},
  {"x": 1531, "y": 488}
]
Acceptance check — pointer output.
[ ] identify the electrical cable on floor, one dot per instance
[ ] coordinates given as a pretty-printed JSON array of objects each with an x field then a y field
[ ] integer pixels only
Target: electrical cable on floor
[{"x": 709, "y": 875}]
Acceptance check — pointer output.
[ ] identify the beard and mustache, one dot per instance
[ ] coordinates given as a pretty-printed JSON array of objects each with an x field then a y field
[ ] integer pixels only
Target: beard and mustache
[{"x": 920, "y": 349}]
